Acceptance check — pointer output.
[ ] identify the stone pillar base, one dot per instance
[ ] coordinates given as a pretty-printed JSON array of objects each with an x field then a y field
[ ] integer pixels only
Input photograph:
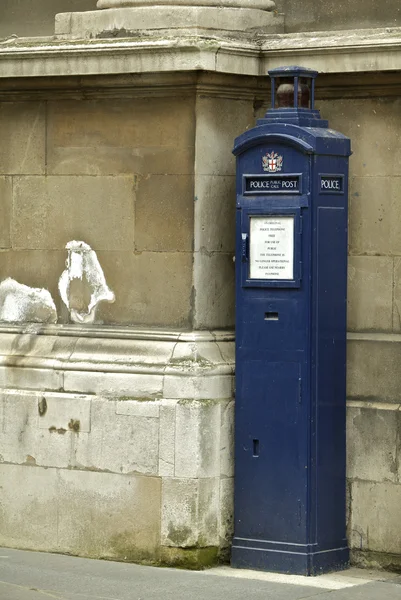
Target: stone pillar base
[
  {"x": 130, "y": 440},
  {"x": 168, "y": 21}
]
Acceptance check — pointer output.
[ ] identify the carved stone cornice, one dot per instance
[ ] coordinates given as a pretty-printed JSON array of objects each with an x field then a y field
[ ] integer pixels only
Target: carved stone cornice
[
  {"x": 267, "y": 5},
  {"x": 354, "y": 53},
  {"x": 141, "y": 363},
  {"x": 348, "y": 51}
]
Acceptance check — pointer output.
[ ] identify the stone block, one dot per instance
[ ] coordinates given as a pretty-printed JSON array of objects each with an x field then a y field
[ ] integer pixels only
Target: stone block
[
  {"x": 373, "y": 125},
  {"x": 109, "y": 516},
  {"x": 29, "y": 345},
  {"x": 187, "y": 440},
  {"x": 226, "y": 521},
  {"x": 179, "y": 523},
  {"x": 374, "y": 369},
  {"x": 119, "y": 443},
  {"x": 122, "y": 353},
  {"x": 27, "y": 439},
  {"x": 35, "y": 268},
  {"x": 132, "y": 385},
  {"x": 72, "y": 413},
  {"x": 215, "y": 213},
  {"x": 374, "y": 202},
  {"x": 227, "y": 439},
  {"x": 30, "y": 379},
  {"x": 20, "y": 411},
  {"x": 131, "y": 445},
  {"x": 375, "y": 518},
  {"x": 23, "y": 127},
  {"x": 397, "y": 295},
  {"x": 55, "y": 448},
  {"x": 180, "y": 385},
  {"x": 165, "y": 201},
  {"x": 185, "y": 386},
  {"x": 190, "y": 512},
  {"x": 214, "y": 290},
  {"x": 51, "y": 211},
  {"x": 372, "y": 441},
  {"x": 167, "y": 438},
  {"x": 1, "y": 416},
  {"x": 26, "y": 347},
  {"x": 88, "y": 450},
  {"x": 227, "y": 349},
  {"x": 142, "y": 409},
  {"x": 151, "y": 288},
  {"x": 63, "y": 23},
  {"x": 220, "y": 120},
  {"x": 19, "y": 424},
  {"x": 348, "y": 504},
  {"x": 209, "y": 512},
  {"x": 29, "y": 518},
  {"x": 197, "y": 439},
  {"x": 121, "y": 136},
  {"x": 370, "y": 293},
  {"x": 7, "y": 344},
  {"x": 195, "y": 357},
  {"x": 239, "y": 63},
  {"x": 6, "y": 211}
]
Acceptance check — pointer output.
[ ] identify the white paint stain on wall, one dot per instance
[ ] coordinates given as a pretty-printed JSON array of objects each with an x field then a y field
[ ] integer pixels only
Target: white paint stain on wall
[
  {"x": 20, "y": 303},
  {"x": 82, "y": 285}
]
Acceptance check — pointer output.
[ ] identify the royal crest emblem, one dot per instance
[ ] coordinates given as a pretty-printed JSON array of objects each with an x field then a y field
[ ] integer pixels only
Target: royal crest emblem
[{"x": 272, "y": 162}]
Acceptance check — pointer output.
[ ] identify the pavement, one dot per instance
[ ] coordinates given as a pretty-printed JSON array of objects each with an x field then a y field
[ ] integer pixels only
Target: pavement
[{"x": 40, "y": 576}]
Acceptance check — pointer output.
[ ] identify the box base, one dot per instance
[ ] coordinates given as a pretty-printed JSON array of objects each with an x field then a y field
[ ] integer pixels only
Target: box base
[{"x": 286, "y": 561}]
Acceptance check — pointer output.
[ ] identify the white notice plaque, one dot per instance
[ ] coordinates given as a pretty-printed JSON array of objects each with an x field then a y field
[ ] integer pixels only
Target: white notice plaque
[{"x": 271, "y": 248}]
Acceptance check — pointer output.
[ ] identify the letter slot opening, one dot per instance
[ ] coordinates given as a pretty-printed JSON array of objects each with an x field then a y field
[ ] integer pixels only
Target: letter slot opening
[
  {"x": 256, "y": 448},
  {"x": 271, "y": 316}
]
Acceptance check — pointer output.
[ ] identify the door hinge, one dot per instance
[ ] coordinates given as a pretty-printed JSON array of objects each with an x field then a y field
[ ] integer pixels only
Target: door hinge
[{"x": 244, "y": 247}]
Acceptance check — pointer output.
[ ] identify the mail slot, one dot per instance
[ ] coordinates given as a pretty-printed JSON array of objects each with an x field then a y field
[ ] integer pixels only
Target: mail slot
[{"x": 291, "y": 278}]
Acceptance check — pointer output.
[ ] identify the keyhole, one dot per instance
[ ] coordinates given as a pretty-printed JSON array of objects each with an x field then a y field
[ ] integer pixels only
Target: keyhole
[{"x": 256, "y": 447}]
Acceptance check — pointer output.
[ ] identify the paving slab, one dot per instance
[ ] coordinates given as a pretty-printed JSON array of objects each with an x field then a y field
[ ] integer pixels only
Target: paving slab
[
  {"x": 377, "y": 590},
  {"x": 39, "y": 576}
]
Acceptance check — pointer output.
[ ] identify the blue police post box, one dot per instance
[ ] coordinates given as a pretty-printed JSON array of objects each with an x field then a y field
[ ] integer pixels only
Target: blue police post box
[{"x": 291, "y": 278}]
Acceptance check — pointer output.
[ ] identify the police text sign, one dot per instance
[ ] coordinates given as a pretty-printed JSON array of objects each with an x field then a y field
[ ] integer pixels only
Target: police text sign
[
  {"x": 331, "y": 184},
  {"x": 271, "y": 247},
  {"x": 270, "y": 184}
]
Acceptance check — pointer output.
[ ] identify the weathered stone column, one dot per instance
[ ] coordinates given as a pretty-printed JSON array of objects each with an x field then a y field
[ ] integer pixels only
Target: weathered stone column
[
  {"x": 172, "y": 18},
  {"x": 124, "y": 161}
]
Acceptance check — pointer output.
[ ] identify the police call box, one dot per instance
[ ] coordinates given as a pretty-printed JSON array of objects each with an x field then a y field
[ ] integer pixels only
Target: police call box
[{"x": 291, "y": 277}]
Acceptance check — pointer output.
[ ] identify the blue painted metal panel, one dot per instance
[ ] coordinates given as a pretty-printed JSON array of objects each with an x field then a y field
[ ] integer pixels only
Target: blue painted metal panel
[
  {"x": 290, "y": 349},
  {"x": 278, "y": 386}
]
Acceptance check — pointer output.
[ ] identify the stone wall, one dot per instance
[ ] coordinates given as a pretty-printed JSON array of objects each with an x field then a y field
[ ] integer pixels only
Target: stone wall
[
  {"x": 117, "y": 174},
  {"x": 137, "y": 179},
  {"x": 374, "y": 346},
  {"x": 117, "y": 448},
  {"x": 35, "y": 17},
  {"x": 126, "y": 428},
  {"x": 332, "y": 15},
  {"x": 308, "y": 15}
]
